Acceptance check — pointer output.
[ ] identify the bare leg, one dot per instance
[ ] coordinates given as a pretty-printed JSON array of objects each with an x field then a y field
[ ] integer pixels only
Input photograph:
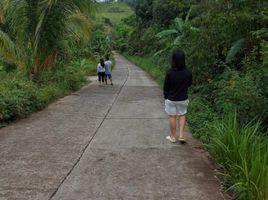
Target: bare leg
[
  {"x": 182, "y": 122},
  {"x": 172, "y": 125}
]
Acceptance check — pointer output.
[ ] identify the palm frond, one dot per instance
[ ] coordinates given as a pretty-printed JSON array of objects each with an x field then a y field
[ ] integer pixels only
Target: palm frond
[
  {"x": 58, "y": 19},
  {"x": 86, "y": 7},
  {"x": 8, "y": 50},
  {"x": 80, "y": 27},
  {"x": 44, "y": 28},
  {"x": 20, "y": 18}
]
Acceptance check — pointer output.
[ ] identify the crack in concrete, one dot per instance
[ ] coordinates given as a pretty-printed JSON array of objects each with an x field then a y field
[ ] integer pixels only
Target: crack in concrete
[
  {"x": 127, "y": 118},
  {"x": 85, "y": 148}
]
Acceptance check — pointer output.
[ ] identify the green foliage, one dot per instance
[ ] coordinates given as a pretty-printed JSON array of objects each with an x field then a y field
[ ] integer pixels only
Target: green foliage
[
  {"x": 171, "y": 38},
  {"x": 109, "y": 14},
  {"x": 167, "y": 32},
  {"x": 234, "y": 50},
  {"x": 200, "y": 115},
  {"x": 239, "y": 93},
  {"x": 166, "y": 11},
  {"x": 17, "y": 99},
  {"x": 226, "y": 45},
  {"x": 21, "y": 96},
  {"x": 101, "y": 42},
  {"x": 124, "y": 33},
  {"x": 144, "y": 10},
  {"x": 38, "y": 31},
  {"x": 115, "y": 12},
  {"x": 243, "y": 154}
]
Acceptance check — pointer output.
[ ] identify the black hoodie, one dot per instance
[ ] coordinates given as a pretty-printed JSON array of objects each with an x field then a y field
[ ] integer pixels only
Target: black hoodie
[{"x": 177, "y": 83}]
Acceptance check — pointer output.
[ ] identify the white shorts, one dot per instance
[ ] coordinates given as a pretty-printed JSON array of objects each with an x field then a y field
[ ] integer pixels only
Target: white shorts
[{"x": 174, "y": 108}]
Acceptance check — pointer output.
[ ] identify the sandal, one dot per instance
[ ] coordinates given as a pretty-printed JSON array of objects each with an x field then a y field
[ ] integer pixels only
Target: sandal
[
  {"x": 182, "y": 140},
  {"x": 173, "y": 140}
]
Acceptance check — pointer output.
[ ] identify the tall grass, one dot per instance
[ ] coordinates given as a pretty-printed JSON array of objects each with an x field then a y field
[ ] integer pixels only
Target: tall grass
[{"x": 242, "y": 152}]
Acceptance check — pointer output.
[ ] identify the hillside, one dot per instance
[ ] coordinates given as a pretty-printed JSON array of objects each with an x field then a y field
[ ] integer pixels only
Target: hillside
[{"x": 112, "y": 13}]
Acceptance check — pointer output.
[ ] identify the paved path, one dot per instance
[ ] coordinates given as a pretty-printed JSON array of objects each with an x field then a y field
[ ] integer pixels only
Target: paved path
[{"x": 102, "y": 143}]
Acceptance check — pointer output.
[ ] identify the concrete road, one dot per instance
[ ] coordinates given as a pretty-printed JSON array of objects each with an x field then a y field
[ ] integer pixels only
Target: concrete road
[{"x": 103, "y": 143}]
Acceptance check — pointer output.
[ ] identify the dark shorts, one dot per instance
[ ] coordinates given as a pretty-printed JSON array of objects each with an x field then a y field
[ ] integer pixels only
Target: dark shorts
[
  {"x": 101, "y": 76},
  {"x": 108, "y": 76}
]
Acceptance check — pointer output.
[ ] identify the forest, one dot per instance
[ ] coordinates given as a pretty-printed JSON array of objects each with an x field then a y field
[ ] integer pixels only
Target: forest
[{"x": 48, "y": 47}]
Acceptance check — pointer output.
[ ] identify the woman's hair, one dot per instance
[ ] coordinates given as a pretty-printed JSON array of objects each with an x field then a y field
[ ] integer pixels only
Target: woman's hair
[
  {"x": 178, "y": 60},
  {"x": 107, "y": 57},
  {"x": 102, "y": 62}
]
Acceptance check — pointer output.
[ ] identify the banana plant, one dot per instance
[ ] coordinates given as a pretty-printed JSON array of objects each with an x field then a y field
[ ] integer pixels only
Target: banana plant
[
  {"x": 171, "y": 38},
  {"x": 175, "y": 35}
]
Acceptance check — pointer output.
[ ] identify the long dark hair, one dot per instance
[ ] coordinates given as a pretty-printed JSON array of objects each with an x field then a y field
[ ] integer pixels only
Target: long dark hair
[
  {"x": 178, "y": 60},
  {"x": 102, "y": 62}
]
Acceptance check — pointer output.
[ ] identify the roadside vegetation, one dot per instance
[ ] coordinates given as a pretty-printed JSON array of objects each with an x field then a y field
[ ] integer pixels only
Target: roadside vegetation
[
  {"x": 226, "y": 43},
  {"x": 44, "y": 53},
  {"x": 47, "y": 48},
  {"x": 111, "y": 13}
]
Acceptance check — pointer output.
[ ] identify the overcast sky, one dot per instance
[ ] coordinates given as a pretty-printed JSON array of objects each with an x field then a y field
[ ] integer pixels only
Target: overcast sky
[{"x": 103, "y": 0}]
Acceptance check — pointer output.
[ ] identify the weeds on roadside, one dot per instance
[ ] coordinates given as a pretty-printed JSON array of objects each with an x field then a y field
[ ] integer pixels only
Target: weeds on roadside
[
  {"x": 242, "y": 152},
  {"x": 20, "y": 96}
]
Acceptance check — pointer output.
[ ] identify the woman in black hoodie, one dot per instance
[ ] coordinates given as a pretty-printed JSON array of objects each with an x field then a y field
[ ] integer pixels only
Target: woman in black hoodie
[{"x": 178, "y": 80}]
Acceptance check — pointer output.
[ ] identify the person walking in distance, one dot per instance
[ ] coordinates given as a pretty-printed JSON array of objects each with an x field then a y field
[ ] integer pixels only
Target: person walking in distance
[
  {"x": 101, "y": 72},
  {"x": 177, "y": 81},
  {"x": 108, "y": 70}
]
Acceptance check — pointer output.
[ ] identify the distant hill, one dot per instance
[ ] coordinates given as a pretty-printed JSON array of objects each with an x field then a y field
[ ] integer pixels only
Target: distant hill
[{"x": 112, "y": 13}]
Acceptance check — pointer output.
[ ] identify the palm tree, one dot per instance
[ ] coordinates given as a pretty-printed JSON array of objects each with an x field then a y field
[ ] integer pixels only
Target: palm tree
[{"x": 38, "y": 30}]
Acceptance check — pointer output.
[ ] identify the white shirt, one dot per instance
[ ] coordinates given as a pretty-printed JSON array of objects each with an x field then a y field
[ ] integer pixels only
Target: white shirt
[{"x": 100, "y": 68}]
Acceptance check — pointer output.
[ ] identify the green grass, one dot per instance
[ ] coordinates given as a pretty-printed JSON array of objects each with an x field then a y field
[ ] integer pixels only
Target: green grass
[
  {"x": 113, "y": 11},
  {"x": 242, "y": 152}
]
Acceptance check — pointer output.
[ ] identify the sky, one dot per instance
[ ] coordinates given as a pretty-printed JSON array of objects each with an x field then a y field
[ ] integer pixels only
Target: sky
[{"x": 103, "y": 0}]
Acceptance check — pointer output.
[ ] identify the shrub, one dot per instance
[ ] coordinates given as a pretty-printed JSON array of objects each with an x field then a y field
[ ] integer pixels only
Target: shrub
[
  {"x": 17, "y": 98},
  {"x": 242, "y": 152},
  {"x": 20, "y": 96},
  {"x": 199, "y": 115},
  {"x": 240, "y": 93}
]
